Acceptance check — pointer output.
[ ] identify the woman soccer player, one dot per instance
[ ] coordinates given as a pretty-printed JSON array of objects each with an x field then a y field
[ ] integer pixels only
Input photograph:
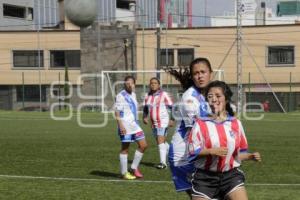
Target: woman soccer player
[
  {"x": 217, "y": 145},
  {"x": 157, "y": 103},
  {"x": 126, "y": 108},
  {"x": 192, "y": 106}
]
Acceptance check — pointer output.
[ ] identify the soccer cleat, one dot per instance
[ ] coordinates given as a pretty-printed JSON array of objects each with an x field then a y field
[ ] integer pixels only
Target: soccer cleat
[
  {"x": 137, "y": 173},
  {"x": 128, "y": 176},
  {"x": 161, "y": 166}
]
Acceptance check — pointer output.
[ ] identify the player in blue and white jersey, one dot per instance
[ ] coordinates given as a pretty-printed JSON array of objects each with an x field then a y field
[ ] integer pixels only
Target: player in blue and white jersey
[
  {"x": 191, "y": 106},
  {"x": 126, "y": 111}
]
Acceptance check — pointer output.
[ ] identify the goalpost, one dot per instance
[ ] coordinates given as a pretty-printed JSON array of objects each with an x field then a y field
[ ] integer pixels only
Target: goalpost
[{"x": 112, "y": 83}]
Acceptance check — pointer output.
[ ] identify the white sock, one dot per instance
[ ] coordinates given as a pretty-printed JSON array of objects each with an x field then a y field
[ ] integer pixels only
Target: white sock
[
  {"x": 137, "y": 159},
  {"x": 167, "y": 147},
  {"x": 123, "y": 163},
  {"x": 162, "y": 153}
]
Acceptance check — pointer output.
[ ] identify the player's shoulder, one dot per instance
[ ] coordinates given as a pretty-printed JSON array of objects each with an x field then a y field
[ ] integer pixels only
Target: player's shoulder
[
  {"x": 189, "y": 94},
  {"x": 234, "y": 119},
  {"x": 164, "y": 93},
  {"x": 121, "y": 94}
]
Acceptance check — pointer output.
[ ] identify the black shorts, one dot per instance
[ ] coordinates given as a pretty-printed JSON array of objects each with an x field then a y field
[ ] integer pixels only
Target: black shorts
[{"x": 216, "y": 185}]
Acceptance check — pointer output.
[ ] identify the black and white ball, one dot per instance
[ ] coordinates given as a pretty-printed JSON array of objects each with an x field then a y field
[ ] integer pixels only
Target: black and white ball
[{"x": 81, "y": 12}]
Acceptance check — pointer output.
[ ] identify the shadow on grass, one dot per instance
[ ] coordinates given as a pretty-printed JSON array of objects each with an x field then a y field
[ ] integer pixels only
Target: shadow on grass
[
  {"x": 147, "y": 164},
  {"x": 105, "y": 174}
]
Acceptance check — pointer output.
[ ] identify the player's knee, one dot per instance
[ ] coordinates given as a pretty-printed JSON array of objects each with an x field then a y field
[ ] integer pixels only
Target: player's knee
[
  {"x": 124, "y": 151},
  {"x": 143, "y": 147}
]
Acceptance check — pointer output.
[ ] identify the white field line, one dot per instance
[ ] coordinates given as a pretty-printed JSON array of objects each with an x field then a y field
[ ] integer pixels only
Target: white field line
[{"x": 120, "y": 180}]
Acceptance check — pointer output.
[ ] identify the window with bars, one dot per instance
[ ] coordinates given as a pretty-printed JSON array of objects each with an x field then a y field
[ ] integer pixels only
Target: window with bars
[
  {"x": 281, "y": 55},
  {"x": 17, "y": 11},
  {"x": 28, "y": 58},
  {"x": 166, "y": 57},
  {"x": 31, "y": 93},
  {"x": 185, "y": 56}
]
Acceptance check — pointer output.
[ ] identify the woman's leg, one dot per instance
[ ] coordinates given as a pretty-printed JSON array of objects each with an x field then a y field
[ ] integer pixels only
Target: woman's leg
[
  {"x": 163, "y": 149},
  {"x": 124, "y": 157},
  {"x": 238, "y": 194},
  {"x": 160, "y": 139},
  {"x": 198, "y": 198},
  {"x": 142, "y": 145},
  {"x": 138, "y": 155}
]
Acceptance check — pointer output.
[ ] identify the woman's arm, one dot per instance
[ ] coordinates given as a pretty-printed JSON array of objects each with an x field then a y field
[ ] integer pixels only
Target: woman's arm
[
  {"x": 250, "y": 156},
  {"x": 145, "y": 114},
  {"x": 221, "y": 151},
  {"x": 120, "y": 124}
]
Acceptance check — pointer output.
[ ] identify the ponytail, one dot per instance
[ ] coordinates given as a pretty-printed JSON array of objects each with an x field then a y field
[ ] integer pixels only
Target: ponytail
[{"x": 229, "y": 109}]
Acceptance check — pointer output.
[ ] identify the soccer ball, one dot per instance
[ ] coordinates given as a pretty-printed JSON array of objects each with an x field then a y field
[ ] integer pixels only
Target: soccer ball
[{"x": 81, "y": 12}]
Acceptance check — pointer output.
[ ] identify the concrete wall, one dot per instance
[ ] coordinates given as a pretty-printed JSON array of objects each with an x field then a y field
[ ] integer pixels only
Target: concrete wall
[{"x": 103, "y": 48}]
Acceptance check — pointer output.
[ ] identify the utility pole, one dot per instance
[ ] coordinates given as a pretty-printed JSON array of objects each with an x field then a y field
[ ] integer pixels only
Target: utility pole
[
  {"x": 125, "y": 53},
  {"x": 39, "y": 56},
  {"x": 239, "y": 57},
  {"x": 158, "y": 32}
]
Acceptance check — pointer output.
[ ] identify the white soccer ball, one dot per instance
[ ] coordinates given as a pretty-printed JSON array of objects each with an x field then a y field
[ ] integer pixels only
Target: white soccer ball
[{"x": 81, "y": 12}]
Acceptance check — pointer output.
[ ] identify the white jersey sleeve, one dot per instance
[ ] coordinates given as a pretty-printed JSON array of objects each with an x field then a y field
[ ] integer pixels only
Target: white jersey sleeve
[{"x": 119, "y": 104}]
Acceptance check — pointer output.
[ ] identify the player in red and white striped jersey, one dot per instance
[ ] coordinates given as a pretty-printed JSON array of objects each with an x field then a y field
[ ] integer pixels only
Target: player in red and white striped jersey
[
  {"x": 157, "y": 103},
  {"x": 217, "y": 145},
  {"x": 208, "y": 134}
]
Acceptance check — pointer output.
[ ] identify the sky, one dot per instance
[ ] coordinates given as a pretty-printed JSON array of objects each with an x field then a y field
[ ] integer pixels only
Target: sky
[{"x": 203, "y": 8}]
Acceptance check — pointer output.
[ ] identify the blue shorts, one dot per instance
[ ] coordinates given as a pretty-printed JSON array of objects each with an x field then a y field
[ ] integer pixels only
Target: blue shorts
[
  {"x": 159, "y": 131},
  {"x": 181, "y": 176},
  {"x": 132, "y": 137}
]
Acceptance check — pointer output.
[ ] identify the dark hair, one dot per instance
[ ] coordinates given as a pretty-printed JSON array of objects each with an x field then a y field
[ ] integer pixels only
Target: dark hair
[
  {"x": 184, "y": 74},
  {"x": 201, "y": 60},
  {"x": 226, "y": 91},
  {"x": 129, "y": 77},
  {"x": 155, "y": 78}
]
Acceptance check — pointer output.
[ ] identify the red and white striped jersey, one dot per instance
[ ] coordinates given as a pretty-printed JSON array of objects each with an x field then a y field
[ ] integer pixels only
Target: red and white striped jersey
[
  {"x": 207, "y": 134},
  {"x": 158, "y": 104}
]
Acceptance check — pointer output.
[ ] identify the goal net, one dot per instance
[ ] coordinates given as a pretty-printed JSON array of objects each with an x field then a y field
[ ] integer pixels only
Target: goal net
[{"x": 113, "y": 82}]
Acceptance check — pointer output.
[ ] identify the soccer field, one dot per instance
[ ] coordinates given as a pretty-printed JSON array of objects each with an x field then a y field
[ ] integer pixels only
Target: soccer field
[{"x": 46, "y": 159}]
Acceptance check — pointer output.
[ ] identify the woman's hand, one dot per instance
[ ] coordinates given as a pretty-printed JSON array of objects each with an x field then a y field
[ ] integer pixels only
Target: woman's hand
[
  {"x": 145, "y": 120},
  {"x": 122, "y": 129},
  {"x": 171, "y": 123},
  {"x": 220, "y": 151},
  {"x": 256, "y": 156}
]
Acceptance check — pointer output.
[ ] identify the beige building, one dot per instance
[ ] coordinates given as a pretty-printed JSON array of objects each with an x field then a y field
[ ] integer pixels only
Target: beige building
[
  {"x": 30, "y": 59},
  {"x": 273, "y": 54}
]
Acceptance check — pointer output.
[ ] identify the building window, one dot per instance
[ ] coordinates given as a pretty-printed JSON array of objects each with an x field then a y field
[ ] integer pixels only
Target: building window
[
  {"x": 29, "y": 14},
  {"x": 123, "y": 4},
  {"x": 31, "y": 93},
  {"x": 17, "y": 11},
  {"x": 185, "y": 57},
  {"x": 28, "y": 58},
  {"x": 167, "y": 57},
  {"x": 62, "y": 58},
  {"x": 281, "y": 55},
  {"x": 288, "y": 8}
]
